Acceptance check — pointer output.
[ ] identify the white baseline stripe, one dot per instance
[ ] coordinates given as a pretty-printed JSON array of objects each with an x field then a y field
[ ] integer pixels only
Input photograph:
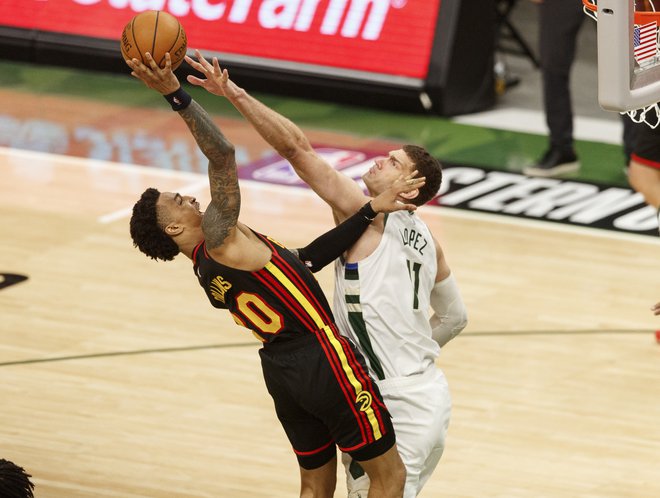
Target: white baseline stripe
[
  {"x": 198, "y": 180},
  {"x": 84, "y": 162},
  {"x": 528, "y": 121}
]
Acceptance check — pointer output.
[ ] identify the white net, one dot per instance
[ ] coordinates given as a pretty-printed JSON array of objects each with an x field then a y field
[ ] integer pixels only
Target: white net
[{"x": 649, "y": 115}]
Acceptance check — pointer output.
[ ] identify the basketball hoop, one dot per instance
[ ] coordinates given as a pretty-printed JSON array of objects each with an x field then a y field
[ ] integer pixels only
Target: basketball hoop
[{"x": 646, "y": 52}]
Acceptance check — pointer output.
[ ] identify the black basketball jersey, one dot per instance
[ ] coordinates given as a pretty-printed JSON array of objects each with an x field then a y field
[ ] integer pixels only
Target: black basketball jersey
[{"x": 281, "y": 300}]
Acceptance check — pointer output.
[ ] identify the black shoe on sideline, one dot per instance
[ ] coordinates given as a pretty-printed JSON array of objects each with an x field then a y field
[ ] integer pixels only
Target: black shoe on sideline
[{"x": 554, "y": 162}]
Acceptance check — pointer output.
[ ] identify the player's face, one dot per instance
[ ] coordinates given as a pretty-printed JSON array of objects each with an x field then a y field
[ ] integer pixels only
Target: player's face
[
  {"x": 180, "y": 209},
  {"x": 386, "y": 170}
]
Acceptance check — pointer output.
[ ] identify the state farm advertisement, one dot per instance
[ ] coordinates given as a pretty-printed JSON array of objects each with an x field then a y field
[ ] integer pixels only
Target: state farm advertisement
[{"x": 391, "y": 37}]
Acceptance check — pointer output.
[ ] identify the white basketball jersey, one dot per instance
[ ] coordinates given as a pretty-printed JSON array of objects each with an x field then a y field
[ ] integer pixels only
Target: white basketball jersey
[{"x": 382, "y": 302}]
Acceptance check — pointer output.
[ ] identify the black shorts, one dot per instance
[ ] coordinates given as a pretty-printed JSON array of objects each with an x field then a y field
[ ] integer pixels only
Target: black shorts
[
  {"x": 646, "y": 145},
  {"x": 324, "y": 398}
]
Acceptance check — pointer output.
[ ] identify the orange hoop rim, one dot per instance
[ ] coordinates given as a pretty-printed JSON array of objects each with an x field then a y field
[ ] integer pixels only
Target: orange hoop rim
[{"x": 641, "y": 17}]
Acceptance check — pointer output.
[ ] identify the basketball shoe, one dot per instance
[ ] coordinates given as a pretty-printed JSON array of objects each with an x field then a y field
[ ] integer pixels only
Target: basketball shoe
[{"x": 554, "y": 162}]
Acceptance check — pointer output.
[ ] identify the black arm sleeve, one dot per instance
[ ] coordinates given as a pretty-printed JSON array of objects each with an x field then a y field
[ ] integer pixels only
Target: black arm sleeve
[{"x": 333, "y": 243}]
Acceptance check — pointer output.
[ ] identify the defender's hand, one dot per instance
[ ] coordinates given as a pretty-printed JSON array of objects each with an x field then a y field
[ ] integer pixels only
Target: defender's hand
[
  {"x": 389, "y": 200},
  {"x": 216, "y": 79}
]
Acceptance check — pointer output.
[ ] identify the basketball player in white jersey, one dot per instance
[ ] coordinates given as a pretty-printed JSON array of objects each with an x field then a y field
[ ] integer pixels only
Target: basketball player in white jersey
[{"x": 385, "y": 285}]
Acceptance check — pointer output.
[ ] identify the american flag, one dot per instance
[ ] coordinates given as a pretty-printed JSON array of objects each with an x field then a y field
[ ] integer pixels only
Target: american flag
[{"x": 645, "y": 42}]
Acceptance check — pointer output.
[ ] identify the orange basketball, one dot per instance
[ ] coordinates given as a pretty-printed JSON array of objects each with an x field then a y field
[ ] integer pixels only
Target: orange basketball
[{"x": 156, "y": 32}]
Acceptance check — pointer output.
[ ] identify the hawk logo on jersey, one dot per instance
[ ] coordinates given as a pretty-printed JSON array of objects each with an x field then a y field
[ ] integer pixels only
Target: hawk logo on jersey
[
  {"x": 219, "y": 287},
  {"x": 363, "y": 400}
]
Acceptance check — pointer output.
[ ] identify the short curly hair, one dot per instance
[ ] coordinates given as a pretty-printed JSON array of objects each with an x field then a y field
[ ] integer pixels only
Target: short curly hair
[
  {"x": 14, "y": 481},
  {"x": 147, "y": 230},
  {"x": 427, "y": 166}
]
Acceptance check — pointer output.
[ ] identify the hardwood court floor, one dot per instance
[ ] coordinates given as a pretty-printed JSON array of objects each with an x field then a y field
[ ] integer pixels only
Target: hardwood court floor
[{"x": 120, "y": 380}]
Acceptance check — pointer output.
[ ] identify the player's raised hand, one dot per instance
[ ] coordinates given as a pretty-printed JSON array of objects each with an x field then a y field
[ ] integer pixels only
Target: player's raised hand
[
  {"x": 656, "y": 308},
  {"x": 163, "y": 80},
  {"x": 216, "y": 80},
  {"x": 389, "y": 200}
]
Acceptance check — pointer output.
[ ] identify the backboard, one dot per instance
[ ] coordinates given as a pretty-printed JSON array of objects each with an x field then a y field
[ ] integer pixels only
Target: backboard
[{"x": 628, "y": 56}]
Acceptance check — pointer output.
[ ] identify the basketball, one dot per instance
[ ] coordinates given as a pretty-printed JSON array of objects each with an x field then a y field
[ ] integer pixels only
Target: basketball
[{"x": 156, "y": 32}]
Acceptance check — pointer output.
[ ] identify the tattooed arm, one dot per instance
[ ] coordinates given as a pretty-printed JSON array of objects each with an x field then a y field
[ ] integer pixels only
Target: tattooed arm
[{"x": 221, "y": 216}]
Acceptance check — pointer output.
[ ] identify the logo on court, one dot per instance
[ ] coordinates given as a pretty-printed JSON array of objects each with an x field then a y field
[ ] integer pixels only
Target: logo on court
[
  {"x": 363, "y": 400},
  {"x": 9, "y": 279}
]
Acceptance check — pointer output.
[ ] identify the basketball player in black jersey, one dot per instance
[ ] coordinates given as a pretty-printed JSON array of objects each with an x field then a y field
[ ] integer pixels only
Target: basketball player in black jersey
[{"x": 328, "y": 400}]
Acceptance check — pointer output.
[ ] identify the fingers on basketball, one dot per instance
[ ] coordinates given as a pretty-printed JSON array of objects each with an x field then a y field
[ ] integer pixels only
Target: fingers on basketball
[{"x": 157, "y": 33}]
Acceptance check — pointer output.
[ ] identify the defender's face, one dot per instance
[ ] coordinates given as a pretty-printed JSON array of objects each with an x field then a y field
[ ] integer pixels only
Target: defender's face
[
  {"x": 179, "y": 209},
  {"x": 386, "y": 170}
]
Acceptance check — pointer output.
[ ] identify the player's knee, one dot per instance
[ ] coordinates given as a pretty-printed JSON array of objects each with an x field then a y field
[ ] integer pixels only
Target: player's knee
[
  {"x": 651, "y": 193},
  {"x": 319, "y": 482},
  {"x": 634, "y": 179},
  {"x": 316, "y": 490},
  {"x": 400, "y": 475},
  {"x": 646, "y": 181},
  {"x": 394, "y": 481}
]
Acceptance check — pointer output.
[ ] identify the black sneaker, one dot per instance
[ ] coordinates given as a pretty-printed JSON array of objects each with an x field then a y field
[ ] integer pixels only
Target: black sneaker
[{"x": 554, "y": 162}]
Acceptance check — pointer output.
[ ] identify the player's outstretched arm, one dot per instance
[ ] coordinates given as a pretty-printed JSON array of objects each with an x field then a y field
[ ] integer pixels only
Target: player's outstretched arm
[
  {"x": 283, "y": 135},
  {"x": 342, "y": 193},
  {"x": 221, "y": 216}
]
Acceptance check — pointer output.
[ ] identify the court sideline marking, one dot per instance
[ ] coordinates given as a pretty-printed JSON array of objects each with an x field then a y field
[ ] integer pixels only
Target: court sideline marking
[{"x": 510, "y": 333}]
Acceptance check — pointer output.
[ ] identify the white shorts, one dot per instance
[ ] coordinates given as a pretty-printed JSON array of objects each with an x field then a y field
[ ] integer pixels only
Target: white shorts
[{"x": 420, "y": 406}]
